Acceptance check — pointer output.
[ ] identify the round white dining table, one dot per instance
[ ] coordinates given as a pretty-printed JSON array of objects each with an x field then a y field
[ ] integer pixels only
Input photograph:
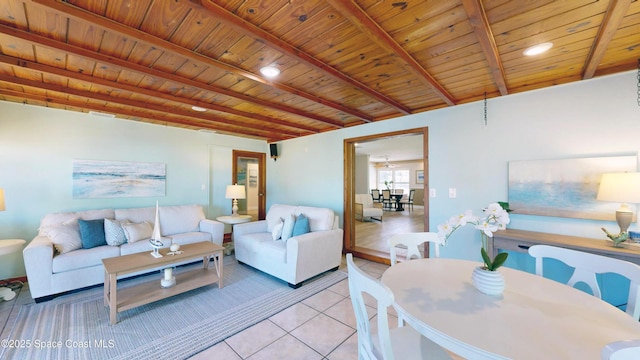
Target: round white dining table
[{"x": 534, "y": 318}]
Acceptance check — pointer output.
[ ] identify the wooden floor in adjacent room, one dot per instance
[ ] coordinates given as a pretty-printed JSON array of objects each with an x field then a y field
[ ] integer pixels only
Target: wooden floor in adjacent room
[{"x": 373, "y": 234}]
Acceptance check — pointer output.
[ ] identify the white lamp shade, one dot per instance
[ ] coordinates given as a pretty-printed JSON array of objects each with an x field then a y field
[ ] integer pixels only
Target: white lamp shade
[
  {"x": 620, "y": 187},
  {"x": 235, "y": 192},
  {"x": 2, "y": 208}
]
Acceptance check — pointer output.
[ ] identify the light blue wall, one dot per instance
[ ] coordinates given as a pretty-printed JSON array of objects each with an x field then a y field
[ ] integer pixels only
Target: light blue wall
[
  {"x": 38, "y": 146},
  {"x": 598, "y": 117}
]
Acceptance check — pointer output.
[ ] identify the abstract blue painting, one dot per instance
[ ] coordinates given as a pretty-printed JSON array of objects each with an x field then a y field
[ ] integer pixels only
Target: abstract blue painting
[
  {"x": 566, "y": 187},
  {"x": 110, "y": 179}
]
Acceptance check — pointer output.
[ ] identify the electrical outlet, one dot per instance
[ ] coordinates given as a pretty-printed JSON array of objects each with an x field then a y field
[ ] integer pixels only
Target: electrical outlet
[
  {"x": 452, "y": 193},
  {"x": 432, "y": 192}
]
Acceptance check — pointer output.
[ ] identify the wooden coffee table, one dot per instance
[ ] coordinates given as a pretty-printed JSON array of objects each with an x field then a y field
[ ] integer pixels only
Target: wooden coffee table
[{"x": 151, "y": 291}]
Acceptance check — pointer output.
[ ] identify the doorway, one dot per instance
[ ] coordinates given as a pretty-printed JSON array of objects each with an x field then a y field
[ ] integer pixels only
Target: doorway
[
  {"x": 249, "y": 169},
  {"x": 354, "y": 184}
]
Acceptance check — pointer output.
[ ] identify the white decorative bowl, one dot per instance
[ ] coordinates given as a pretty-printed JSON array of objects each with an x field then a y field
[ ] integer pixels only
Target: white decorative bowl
[{"x": 175, "y": 247}]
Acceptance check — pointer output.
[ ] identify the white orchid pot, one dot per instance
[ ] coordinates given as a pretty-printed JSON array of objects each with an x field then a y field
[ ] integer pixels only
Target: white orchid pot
[{"x": 487, "y": 282}]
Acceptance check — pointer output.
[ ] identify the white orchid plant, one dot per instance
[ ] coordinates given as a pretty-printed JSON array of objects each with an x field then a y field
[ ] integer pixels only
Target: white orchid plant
[{"x": 496, "y": 218}]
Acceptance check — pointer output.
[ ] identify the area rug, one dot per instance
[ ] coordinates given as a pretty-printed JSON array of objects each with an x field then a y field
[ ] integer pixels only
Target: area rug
[{"x": 76, "y": 326}]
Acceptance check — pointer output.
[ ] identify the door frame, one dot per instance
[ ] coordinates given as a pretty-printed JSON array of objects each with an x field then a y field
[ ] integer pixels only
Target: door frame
[
  {"x": 349, "y": 191},
  {"x": 262, "y": 177}
]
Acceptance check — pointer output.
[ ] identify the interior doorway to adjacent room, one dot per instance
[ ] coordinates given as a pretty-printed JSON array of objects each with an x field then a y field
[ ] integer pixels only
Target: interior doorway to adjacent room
[
  {"x": 249, "y": 169},
  {"x": 361, "y": 176}
]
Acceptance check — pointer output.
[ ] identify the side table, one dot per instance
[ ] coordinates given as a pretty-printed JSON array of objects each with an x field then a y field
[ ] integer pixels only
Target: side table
[
  {"x": 7, "y": 247},
  {"x": 232, "y": 220}
]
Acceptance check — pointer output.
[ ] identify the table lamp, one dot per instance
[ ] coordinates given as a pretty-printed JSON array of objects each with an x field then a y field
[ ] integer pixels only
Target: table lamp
[
  {"x": 235, "y": 192},
  {"x": 623, "y": 188}
]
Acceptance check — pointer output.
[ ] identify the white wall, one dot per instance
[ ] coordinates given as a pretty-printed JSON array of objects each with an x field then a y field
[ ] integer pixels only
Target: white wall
[
  {"x": 597, "y": 117},
  {"x": 38, "y": 146}
]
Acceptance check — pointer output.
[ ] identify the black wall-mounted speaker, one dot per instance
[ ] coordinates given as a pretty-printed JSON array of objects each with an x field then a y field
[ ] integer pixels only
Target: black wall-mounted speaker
[{"x": 273, "y": 149}]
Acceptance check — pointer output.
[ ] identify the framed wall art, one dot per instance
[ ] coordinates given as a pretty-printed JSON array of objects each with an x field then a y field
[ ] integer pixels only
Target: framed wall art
[
  {"x": 565, "y": 187},
  {"x": 112, "y": 179},
  {"x": 419, "y": 176}
]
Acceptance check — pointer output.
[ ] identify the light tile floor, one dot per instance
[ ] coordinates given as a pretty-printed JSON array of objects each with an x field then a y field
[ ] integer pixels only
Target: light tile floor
[{"x": 320, "y": 327}]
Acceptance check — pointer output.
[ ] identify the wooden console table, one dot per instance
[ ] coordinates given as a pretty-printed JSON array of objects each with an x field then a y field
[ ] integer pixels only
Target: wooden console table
[{"x": 521, "y": 240}]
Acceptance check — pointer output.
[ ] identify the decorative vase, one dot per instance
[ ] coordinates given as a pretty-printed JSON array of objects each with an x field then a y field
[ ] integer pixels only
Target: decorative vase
[{"x": 487, "y": 282}]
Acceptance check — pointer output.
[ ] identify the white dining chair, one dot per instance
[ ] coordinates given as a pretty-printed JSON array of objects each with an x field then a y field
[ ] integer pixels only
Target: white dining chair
[
  {"x": 413, "y": 241},
  {"x": 587, "y": 265},
  {"x": 621, "y": 350},
  {"x": 403, "y": 343}
]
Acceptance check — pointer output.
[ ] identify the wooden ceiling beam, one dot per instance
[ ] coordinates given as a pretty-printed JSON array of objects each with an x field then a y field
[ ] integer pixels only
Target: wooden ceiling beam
[
  {"x": 482, "y": 29},
  {"x": 158, "y": 118},
  {"x": 125, "y": 102},
  {"x": 9, "y": 60},
  {"x": 355, "y": 14},
  {"x": 247, "y": 28},
  {"x": 613, "y": 18},
  {"x": 108, "y": 24},
  {"x": 123, "y": 64}
]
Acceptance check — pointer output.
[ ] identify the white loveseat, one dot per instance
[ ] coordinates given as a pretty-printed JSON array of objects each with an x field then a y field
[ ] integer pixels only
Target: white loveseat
[
  {"x": 299, "y": 257},
  {"x": 51, "y": 272}
]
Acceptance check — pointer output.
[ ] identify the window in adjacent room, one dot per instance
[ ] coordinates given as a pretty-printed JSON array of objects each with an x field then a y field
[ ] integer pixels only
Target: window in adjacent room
[{"x": 400, "y": 178}]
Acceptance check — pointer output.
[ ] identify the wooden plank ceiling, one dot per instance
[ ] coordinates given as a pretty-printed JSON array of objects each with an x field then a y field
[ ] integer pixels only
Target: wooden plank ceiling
[{"x": 343, "y": 63}]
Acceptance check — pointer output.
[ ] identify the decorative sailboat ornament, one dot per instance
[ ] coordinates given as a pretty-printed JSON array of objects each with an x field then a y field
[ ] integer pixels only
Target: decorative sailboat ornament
[{"x": 156, "y": 238}]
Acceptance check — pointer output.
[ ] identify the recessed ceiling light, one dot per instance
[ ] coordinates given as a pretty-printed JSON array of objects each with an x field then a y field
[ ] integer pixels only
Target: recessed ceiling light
[
  {"x": 537, "y": 49},
  {"x": 208, "y": 131},
  {"x": 270, "y": 71},
  {"x": 198, "y": 108}
]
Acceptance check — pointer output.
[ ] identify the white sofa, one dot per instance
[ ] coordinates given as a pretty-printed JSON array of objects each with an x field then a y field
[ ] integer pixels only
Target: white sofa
[
  {"x": 50, "y": 272},
  {"x": 299, "y": 257},
  {"x": 366, "y": 208}
]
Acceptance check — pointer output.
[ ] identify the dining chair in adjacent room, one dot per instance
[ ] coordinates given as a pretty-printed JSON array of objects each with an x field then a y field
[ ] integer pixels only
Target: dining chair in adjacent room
[
  {"x": 413, "y": 241},
  {"x": 621, "y": 350},
  {"x": 587, "y": 265},
  {"x": 402, "y": 343},
  {"x": 375, "y": 194},
  {"x": 386, "y": 199},
  {"x": 409, "y": 200}
]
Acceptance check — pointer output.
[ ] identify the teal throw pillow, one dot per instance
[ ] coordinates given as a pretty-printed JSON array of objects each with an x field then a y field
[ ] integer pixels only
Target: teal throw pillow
[
  {"x": 92, "y": 233},
  {"x": 301, "y": 226}
]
